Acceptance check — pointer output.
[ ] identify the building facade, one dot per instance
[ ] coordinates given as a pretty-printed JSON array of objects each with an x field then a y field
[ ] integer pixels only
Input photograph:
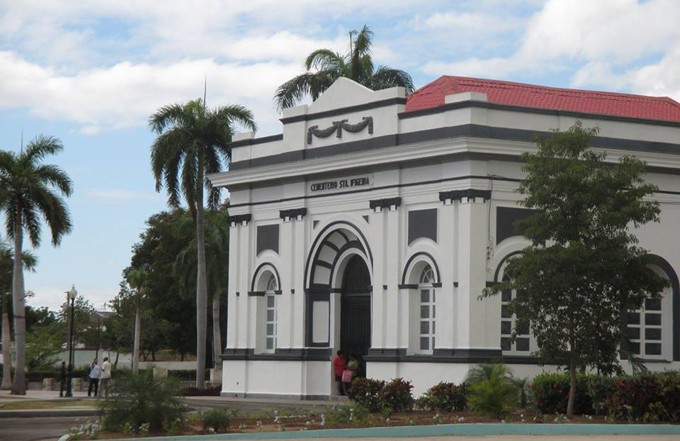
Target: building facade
[{"x": 374, "y": 221}]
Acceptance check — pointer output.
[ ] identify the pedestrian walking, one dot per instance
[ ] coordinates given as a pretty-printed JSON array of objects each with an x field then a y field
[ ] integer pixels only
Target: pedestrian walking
[
  {"x": 105, "y": 378},
  {"x": 93, "y": 375}
]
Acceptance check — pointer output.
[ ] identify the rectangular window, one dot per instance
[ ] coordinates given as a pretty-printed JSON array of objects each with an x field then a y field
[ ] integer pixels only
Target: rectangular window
[
  {"x": 521, "y": 346},
  {"x": 426, "y": 320},
  {"x": 645, "y": 328}
]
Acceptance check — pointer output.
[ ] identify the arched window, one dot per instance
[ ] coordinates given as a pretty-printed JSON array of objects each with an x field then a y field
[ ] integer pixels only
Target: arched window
[
  {"x": 270, "y": 313},
  {"x": 427, "y": 312}
]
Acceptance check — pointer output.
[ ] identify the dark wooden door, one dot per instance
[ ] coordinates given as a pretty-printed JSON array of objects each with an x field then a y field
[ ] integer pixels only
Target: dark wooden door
[{"x": 355, "y": 311}]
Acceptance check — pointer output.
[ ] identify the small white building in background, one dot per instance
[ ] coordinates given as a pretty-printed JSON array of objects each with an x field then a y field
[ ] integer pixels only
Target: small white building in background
[{"x": 374, "y": 221}]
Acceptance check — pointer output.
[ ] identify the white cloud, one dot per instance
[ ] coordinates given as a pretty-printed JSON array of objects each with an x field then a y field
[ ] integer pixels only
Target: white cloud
[
  {"x": 660, "y": 79},
  {"x": 125, "y": 94},
  {"x": 620, "y": 31},
  {"x": 110, "y": 64}
]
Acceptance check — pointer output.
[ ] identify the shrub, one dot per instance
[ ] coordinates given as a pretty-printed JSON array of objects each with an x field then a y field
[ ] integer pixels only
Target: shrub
[
  {"x": 217, "y": 420},
  {"x": 213, "y": 391},
  {"x": 638, "y": 399},
  {"x": 141, "y": 402},
  {"x": 445, "y": 397},
  {"x": 551, "y": 394},
  {"x": 367, "y": 392},
  {"x": 492, "y": 390},
  {"x": 670, "y": 388},
  {"x": 600, "y": 389},
  {"x": 396, "y": 396}
]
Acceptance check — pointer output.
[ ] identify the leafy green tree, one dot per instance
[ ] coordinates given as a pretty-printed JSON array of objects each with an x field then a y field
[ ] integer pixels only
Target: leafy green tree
[
  {"x": 324, "y": 67},
  {"x": 43, "y": 345},
  {"x": 117, "y": 336},
  {"x": 192, "y": 142},
  {"x": 166, "y": 302},
  {"x": 6, "y": 270},
  {"x": 217, "y": 260},
  {"x": 30, "y": 192},
  {"x": 583, "y": 269}
]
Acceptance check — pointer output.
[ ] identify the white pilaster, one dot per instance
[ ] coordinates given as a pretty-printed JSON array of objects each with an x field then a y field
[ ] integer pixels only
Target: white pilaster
[
  {"x": 392, "y": 241},
  {"x": 233, "y": 301},
  {"x": 446, "y": 318},
  {"x": 299, "y": 249},
  {"x": 472, "y": 240},
  {"x": 285, "y": 313},
  {"x": 377, "y": 243}
]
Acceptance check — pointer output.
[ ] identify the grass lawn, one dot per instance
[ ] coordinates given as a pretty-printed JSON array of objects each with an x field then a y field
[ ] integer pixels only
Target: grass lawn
[{"x": 23, "y": 404}]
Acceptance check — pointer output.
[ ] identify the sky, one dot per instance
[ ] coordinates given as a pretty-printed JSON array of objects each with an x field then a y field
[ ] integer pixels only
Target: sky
[{"x": 91, "y": 72}]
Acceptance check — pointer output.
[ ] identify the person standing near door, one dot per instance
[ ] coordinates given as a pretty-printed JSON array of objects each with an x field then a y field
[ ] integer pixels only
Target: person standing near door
[
  {"x": 349, "y": 373},
  {"x": 339, "y": 366}
]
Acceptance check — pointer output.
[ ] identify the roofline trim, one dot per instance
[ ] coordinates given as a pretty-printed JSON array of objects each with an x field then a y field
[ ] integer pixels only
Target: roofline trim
[{"x": 539, "y": 110}]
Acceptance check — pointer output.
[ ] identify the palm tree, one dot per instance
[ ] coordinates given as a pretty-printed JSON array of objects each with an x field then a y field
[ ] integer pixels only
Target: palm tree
[
  {"x": 29, "y": 192},
  {"x": 137, "y": 279},
  {"x": 357, "y": 65},
  {"x": 6, "y": 266},
  {"x": 192, "y": 142}
]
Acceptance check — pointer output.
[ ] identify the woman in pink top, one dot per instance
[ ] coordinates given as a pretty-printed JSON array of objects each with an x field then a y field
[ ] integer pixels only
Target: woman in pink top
[{"x": 339, "y": 366}]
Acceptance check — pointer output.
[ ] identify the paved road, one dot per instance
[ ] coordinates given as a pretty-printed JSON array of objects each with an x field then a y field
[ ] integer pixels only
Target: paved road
[{"x": 36, "y": 429}]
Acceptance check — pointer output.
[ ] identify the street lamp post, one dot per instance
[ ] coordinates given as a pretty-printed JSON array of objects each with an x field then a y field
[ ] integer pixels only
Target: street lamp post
[{"x": 72, "y": 299}]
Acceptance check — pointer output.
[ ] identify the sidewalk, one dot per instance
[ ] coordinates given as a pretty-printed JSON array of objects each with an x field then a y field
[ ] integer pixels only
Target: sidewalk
[{"x": 448, "y": 432}]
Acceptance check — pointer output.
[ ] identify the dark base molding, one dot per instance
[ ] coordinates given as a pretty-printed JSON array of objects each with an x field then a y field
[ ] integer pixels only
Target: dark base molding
[
  {"x": 291, "y": 354},
  {"x": 385, "y": 355},
  {"x": 290, "y": 397},
  {"x": 398, "y": 355}
]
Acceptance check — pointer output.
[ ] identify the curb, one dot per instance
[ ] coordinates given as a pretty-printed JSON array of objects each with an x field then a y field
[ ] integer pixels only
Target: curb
[{"x": 445, "y": 430}]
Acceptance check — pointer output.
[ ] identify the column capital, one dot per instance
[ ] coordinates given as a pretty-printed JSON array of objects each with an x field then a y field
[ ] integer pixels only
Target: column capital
[
  {"x": 459, "y": 195},
  {"x": 293, "y": 214},
  {"x": 379, "y": 204},
  {"x": 240, "y": 219}
]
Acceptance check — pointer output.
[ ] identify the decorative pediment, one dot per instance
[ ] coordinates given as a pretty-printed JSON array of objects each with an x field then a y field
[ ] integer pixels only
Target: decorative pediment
[{"x": 343, "y": 93}]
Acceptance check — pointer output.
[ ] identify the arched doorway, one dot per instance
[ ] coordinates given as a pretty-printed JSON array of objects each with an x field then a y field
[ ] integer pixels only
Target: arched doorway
[{"x": 355, "y": 310}]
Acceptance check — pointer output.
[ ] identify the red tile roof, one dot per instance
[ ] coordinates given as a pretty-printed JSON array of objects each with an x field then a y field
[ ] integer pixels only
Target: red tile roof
[{"x": 528, "y": 95}]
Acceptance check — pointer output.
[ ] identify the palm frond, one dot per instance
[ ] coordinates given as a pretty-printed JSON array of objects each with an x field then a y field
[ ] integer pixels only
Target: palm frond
[
  {"x": 386, "y": 77},
  {"x": 356, "y": 65},
  {"x": 325, "y": 59}
]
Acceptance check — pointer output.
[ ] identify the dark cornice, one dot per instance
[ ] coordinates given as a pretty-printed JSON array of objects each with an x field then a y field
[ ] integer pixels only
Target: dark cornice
[
  {"x": 384, "y": 203},
  {"x": 457, "y": 195},
  {"x": 240, "y": 218},
  {"x": 293, "y": 213}
]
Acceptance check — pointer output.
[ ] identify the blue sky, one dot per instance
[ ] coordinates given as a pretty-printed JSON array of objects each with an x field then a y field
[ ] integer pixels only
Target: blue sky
[{"x": 90, "y": 72}]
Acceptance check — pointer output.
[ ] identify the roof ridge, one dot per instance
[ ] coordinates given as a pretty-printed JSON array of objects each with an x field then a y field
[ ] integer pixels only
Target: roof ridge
[
  {"x": 556, "y": 89},
  {"x": 512, "y": 93}
]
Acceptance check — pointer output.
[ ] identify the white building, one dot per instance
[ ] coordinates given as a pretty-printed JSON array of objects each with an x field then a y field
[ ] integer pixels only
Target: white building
[{"x": 374, "y": 222}]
